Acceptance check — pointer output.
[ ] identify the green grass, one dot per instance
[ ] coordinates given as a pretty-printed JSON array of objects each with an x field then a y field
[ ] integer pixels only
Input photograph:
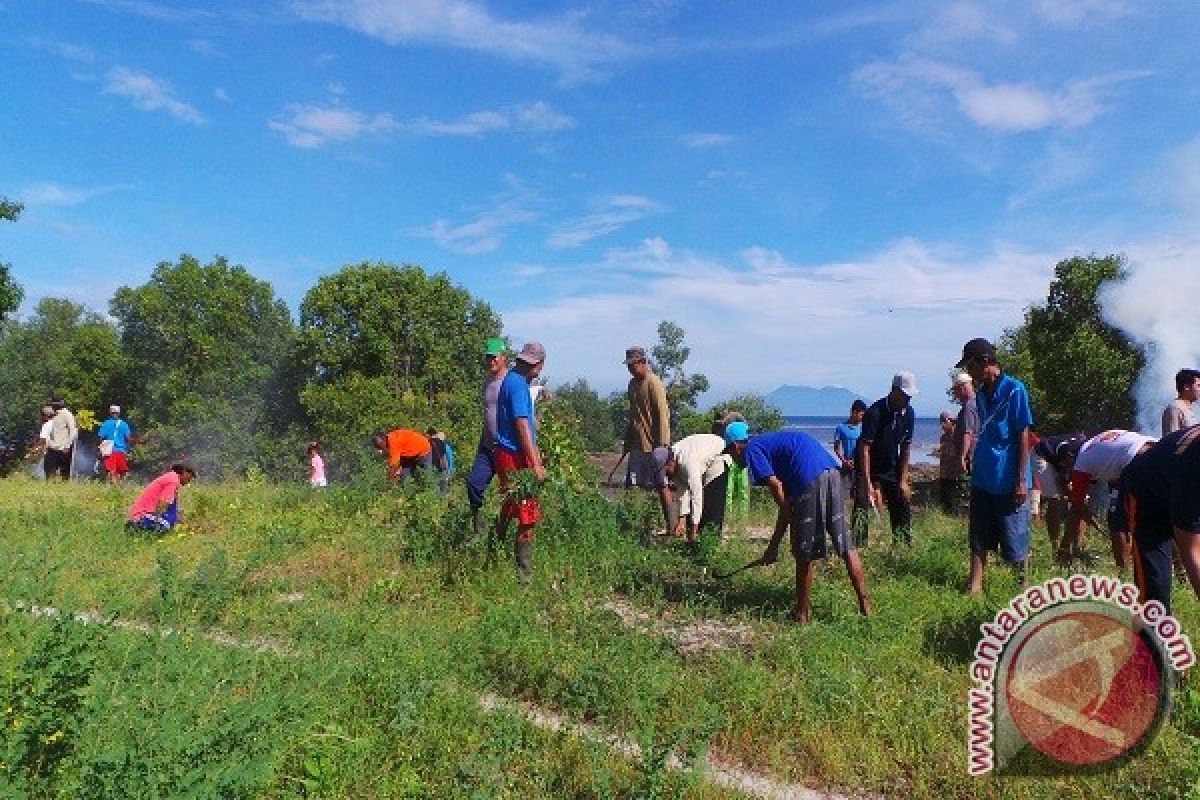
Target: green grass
[{"x": 397, "y": 627}]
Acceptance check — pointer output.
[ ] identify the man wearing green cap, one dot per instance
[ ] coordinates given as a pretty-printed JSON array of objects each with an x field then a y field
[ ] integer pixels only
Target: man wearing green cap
[{"x": 495, "y": 358}]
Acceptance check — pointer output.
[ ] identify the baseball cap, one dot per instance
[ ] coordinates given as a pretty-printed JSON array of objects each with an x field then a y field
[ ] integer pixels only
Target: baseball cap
[
  {"x": 114, "y": 409},
  {"x": 961, "y": 378},
  {"x": 975, "y": 349},
  {"x": 532, "y": 353},
  {"x": 633, "y": 354},
  {"x": 737, "y": 431},
  {"x": 494, "y": 346},
  {"x": 905, "y": 382}
]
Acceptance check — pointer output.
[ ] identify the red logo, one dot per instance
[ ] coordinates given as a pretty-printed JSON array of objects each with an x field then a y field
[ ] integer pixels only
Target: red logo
[{"x": 1085, "y": 687}]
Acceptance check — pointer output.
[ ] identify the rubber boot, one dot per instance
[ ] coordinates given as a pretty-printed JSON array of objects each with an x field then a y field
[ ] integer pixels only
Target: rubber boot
[
  {"x": 524, "y": 561},
  {"x": 477, "y": 524}
]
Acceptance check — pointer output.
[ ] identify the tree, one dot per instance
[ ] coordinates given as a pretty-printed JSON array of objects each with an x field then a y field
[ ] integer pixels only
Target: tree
[
  {"x": 381, "y": 345},
  {"x": 600, "y": 433},
  {"x": 1080, "y": 370},
  {"x": 11, "y": 293},
  {"x": 760, "y": 415},
  {"x": 209, "y": 351},
  {"x": 668, "y": 357},
  {"x": 62, "y": 350}
]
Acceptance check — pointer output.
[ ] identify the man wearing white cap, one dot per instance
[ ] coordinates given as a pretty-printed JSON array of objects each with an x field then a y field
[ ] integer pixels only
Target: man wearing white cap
[
  {"x": 116, "y": 438},
  {"x": 883, "y": 452}
]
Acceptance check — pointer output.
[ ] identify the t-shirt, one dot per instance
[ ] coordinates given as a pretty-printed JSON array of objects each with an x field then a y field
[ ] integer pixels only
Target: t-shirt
[
  {"x": 1177, "y": 416},
  {"x": 1165, "y": 480},
  {"x": 161, "y": 490},
  {"x": 119, "y": 431},
  {"x": 887, "y": 432},
  {"x": 44, "y": 434},
  {"x": 513, "y": 403},
  {"x": 404, "y": 443},
  {"x": 1102, "y": 458},
  {"x": 700, "y": 459},
  {"x": 317, "y": 475},
  {"x": 794, "y": 457},
  {"x": 649, "y": 415},
  {"x": 846, "y": 435},
  {"x": 966, "y": 422},
  {"x": 63, "y": 431},
  {"x": 491, "y": 390},
  {"x": 1004, "y": 416}
]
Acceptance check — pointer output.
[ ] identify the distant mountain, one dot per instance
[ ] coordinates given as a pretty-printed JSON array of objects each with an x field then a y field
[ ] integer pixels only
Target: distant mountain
[{"x": 808, "y": 401}]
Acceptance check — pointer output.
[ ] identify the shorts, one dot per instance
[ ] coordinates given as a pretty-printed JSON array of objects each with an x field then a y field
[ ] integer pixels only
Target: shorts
[
  {"x": 1153, "y": 551},
  {"x": 525, "y": 510},
  {"x": 643, "y": 471},
  {"x": 57, "y": 462},
  {"x": 116, "y": 463},
  {"x": 1047, "y": 479},
  {"x": 819, "y": 510},
  {"x": 148, "y": 523},
  {"x": 996, "y": 522}
]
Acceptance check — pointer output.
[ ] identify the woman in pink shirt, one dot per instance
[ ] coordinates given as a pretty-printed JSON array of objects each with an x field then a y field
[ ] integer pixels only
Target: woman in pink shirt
[
  {"x": 316, "y": 466},
  {"x": 157, "y": 507}
]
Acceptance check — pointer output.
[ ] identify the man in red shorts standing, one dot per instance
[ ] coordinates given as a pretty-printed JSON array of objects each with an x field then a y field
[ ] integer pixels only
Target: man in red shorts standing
[{"x": 517, "y": 449}]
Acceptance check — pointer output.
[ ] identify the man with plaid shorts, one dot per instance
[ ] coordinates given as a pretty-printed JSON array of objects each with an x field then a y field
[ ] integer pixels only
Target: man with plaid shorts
[
  {"x": 807, "y": 487},
  {"x": 517, "y": 450}
]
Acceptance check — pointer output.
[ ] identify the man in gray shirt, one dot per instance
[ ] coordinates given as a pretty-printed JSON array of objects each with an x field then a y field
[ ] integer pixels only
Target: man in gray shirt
[
  {"x": 1181, "y": 411},
  {"x": 496, "y": 359},
  {"x": 966, "y": 425}
]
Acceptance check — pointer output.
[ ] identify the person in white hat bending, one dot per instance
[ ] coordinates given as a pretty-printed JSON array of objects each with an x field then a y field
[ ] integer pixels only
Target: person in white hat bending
[{"x": 883, "y": 452}]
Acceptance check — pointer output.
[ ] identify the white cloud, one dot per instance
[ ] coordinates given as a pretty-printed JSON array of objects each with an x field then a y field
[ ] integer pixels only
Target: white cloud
[
  {"x": 701, "y": 141},
  {"x": 763, "y": 320},
  {"x": 336, "y": 88},
  {"x": 965, "y": 21},
  {"x": 67, "y": 50},
  {"x": 614, "y": 213},
  {"x": 152, "y": 10},
  {"x": 149, "y": 94},
  {"x": 205, "y": 47},
  {"x": 309, "y": 127},
  {"x": 559, "y": 42},
  {"x": 1006, "y": 107},
  {"x": 48, "y": 193},
  {"x": 1072, "y": 12},
  {"x": 536, "y": 117},
  {"x": 483, "y": 234}
]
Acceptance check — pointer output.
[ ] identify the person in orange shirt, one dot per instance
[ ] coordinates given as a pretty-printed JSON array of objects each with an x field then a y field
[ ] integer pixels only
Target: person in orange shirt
[{"x": 405, "y": 450}]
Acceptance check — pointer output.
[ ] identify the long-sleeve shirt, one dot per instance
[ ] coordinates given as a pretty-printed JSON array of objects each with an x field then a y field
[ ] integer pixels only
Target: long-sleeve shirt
[
  {"x": 649, "y": 415},
  {"x": 699, "y": 460}
]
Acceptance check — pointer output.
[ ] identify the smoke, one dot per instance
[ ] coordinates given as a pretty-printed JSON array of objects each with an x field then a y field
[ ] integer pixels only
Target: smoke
[{"x": 1157, "y": 306}]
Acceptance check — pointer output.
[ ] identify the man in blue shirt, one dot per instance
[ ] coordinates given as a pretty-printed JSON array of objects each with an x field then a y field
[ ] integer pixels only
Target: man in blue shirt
[
  {"x": 116, "y": 440},
  {"x": 883, "y": 450},
  {"x": 805, "y": 484},
  {"x": 1000, "y": 471},
  {"x": 517, "y": 450}
]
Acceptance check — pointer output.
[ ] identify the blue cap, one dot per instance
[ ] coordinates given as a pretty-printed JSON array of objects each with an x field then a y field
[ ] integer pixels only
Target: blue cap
[{"x": 736, "y": 431}]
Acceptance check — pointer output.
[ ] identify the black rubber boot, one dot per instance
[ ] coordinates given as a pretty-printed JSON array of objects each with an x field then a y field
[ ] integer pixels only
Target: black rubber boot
[{"x": 525, "y": 562}]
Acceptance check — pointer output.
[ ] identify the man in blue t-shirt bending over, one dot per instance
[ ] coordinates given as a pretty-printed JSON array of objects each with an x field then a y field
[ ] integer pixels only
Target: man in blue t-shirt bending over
[{"x": 804, "y": 480}]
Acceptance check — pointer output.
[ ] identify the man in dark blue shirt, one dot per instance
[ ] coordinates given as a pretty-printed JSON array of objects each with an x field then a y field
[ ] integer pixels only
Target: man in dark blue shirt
[
  {"x": 1162, "y": 486},
  {"x": 807, "y": 487},
  {"x": 883, "y": 452}
]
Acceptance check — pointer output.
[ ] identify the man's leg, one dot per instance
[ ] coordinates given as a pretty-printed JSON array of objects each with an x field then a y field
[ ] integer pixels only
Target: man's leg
[
  {"x": 669, "y": 511},
  {"x": 860, "y": 515},
  {"x": 1187, "y": 545},
  {"x": 482, "y": 470},
  {"x": 804, "y": 580},
  {"x": 1054, "y": 521},
  {"x": 524, "y": 553},
  {"x": 978, "y": 533},
  {"x": 714, "y": 503},
  {"x": 858, "y": 579},
  {"x": 899, "y": 512}
]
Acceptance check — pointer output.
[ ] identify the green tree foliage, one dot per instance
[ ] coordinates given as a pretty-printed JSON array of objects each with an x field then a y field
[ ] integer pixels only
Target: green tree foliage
[
  {"x": 209, "y": 379},
  {"x": 11, "y": 293},
  {"x": 601, "y": 433},
  {"x": 668, "y": 357},
  {"x": 760, "y": 415},
  {"x": 1080, "y": 370},
  {"x": 62, "y": 349},
  {"x": 382, "y": 346}
]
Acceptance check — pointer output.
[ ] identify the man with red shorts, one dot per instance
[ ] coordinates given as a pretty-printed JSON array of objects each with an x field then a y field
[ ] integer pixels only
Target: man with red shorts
[
  {"x": 116, "y": 440},
  {"x": 516, "y": 450}
]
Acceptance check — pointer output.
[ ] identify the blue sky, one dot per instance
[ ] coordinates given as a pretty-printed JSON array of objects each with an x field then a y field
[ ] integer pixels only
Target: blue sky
[{"x": 819, "y": 192}]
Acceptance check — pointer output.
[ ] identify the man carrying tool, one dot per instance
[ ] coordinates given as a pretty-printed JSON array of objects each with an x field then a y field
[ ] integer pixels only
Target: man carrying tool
[
  {"x": 516, "y": 450},
  {"x": 698, "y": 464},
  {"x": 804, "y": 481},
  {"x": 406, "y": 451},
  {"x": 883, "y": 450},
  {"x": 648, "y": 431},
  {"x": 1162, "y": 485},
  {"x": 1099, "y": 463}
]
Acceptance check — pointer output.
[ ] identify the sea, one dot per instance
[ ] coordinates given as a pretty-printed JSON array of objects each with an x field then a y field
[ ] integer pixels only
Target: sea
[{"x": 926, "y": 433}]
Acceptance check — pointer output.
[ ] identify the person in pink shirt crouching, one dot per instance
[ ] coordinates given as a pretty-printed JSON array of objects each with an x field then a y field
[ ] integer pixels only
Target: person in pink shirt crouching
[{"x": 156, "y": 509}]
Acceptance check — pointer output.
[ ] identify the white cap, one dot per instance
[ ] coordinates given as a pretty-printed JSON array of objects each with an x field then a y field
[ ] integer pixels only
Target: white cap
[
  {"x": 905, "y": 382},
  {"x": 114, "y": 409},
  {"x": 961, "y": 378}
]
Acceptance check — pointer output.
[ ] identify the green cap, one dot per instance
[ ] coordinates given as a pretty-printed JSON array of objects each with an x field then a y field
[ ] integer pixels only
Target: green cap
[{"x": 495, "y": 346}]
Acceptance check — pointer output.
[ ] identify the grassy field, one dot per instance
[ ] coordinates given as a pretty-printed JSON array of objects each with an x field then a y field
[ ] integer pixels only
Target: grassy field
[{"x": 385, "y": 628}]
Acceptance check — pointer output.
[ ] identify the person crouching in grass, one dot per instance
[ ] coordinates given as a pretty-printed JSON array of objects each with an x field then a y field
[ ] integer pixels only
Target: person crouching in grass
[
  {"x": 807, "y": 487},
  {"x": 156, "y": 509}
]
